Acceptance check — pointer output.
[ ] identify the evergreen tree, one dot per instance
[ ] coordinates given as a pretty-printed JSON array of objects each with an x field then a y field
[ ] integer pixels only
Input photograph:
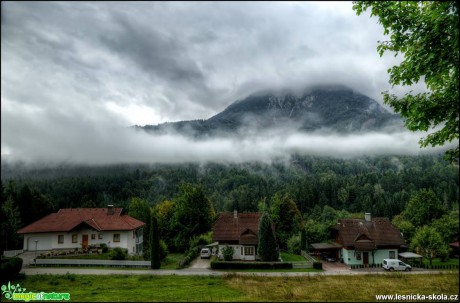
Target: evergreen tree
[
  {"x": 303, "y": 239},
  {"x": 154, "y": 243},
  {"x": 267, "y": 250}
]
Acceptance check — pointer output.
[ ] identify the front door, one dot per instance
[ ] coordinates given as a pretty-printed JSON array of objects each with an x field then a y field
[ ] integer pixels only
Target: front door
[
  {"x": 366, "y": 258},
  {"x": 84, "y": 242}
]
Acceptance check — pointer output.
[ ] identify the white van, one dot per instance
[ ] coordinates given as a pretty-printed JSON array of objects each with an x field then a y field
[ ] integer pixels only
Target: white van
[
  {"x": 205, "y": 253},
  {"x": 395, "y": 264}
]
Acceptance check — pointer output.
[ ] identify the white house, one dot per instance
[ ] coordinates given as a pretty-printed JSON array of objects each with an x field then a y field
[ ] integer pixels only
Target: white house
[
  {"x": 364, "y": 242},
  {"x": 239, "y": 231},
  {"x": 73, "y": 228}
]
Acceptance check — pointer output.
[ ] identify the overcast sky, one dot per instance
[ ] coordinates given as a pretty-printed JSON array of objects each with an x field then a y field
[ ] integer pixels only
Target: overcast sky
[{"x": 75, "y": 73}]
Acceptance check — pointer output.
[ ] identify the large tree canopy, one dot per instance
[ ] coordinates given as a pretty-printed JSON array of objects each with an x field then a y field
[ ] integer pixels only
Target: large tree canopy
[{"x": 426, "y": 32}]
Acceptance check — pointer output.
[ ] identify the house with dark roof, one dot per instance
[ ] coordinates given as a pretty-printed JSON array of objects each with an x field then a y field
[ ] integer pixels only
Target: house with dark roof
[
  {"x": 367, "y": 241},
  {"x": 79, "y": 228},
  {"x": 239, "y": 231}
]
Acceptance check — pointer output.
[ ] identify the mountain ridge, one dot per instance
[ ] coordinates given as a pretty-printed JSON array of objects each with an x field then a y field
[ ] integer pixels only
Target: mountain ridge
[{"x": 326, "y": 107}]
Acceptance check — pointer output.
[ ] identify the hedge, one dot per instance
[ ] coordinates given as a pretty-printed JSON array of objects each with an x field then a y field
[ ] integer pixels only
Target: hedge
[
  {"x": 317, "y": 265},
  {"x": 189, "y": 256},
  {"x": 10, "y": 267},
  {"x": 250, "y": 265}
]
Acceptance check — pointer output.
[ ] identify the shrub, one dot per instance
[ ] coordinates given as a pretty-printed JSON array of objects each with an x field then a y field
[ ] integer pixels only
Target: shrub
[
  {"x": 163, "y": 250},
  {"x": 10, "y": 267},
  {"x": 228, "y": 253},
  {"x": 317, "y": 265},
  {"x": 118, "y": 254},
  {"x": 104, "y": 248},
  {"x": 201, "y": 240},
  {"x": 293, "y": 245},
  {"x": 250, "y": 265},
  {"x": 190, "y": 255}
]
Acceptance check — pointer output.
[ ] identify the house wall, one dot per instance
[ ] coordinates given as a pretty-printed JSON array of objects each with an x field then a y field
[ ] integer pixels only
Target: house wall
[
  {"x": 49, "y": 241},
  {"x": 349, "y": 256},
  {"x": 237, "y": 252}
]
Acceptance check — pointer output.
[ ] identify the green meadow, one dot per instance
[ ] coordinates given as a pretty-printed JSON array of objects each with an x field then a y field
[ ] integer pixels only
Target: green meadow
[{"x": 233, "y": 287}]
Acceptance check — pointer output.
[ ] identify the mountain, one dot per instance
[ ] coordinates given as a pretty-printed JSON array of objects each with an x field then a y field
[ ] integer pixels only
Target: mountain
[{"x": 336, "y": 108}]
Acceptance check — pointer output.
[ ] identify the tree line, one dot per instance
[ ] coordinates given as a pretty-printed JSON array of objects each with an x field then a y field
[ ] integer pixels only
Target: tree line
[{"x": 305, "y": 191}]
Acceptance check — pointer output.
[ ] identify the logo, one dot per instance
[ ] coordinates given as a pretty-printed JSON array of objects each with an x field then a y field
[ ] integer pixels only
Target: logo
[{"x": 18, "y": 293}]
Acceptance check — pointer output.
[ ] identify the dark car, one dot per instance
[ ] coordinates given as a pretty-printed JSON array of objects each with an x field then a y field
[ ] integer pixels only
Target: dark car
[{"x": 327, "y": 257}]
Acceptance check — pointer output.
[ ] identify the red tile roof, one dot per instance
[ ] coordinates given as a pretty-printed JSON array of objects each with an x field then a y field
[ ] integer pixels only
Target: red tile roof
[
  {"x": 67, "y": 219},
  {"x": 243, "y": 229},
  {"x": 367, "y": 235}
]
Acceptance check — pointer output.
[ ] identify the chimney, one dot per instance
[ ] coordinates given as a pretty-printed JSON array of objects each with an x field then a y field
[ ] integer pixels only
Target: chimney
[
  {"x": 367, "y": 217},
  {"x": 235, "y": 214},
  {"x": 110, "y": 209}
]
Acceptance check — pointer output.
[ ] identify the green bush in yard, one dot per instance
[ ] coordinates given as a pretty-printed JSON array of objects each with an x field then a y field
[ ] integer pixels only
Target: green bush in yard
[
  {"x": 228, "y": 253},
  {"x": 317, "y": 265},
  {"x": 10, "y": 268},
  {"x": 118, "y": 254},
  {"x": 104, "y": 248}
]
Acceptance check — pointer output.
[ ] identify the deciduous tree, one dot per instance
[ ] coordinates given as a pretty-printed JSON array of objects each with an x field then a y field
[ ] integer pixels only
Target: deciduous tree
[{"x": 426, "y": 33}]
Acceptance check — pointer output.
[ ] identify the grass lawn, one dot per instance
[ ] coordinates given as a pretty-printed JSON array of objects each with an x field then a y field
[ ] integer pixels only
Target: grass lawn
[
  {"x": 437, "y": 261},
  {"x": 292, "y": 258},
  {"x": 127, "y": 288},
  {"x": 171, "y": 261}
]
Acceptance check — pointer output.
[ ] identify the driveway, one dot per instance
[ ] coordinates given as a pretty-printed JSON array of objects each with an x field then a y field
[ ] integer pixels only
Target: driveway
[
  {"x": 334, "y": 266},
  {"x": 201, "y": 263}
]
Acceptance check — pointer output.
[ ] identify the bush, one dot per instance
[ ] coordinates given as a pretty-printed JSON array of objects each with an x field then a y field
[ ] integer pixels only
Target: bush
[
  {"x": 163, "y": 250},
  {"x": 293, "y": 245},
  {"x": 104, "y": 248},
  {"x": 10, "y": 268},
  {"x": 190, "y": 255},
  {"x": 317, "y": 265},
  {"x": 250, "y": 265},
  {"x": 201, "y": 240},
  {"x": 118, "y": 254},
  {"x": 228, "y": 253}
]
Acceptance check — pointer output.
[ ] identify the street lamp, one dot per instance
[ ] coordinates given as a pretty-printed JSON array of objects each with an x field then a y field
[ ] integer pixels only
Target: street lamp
[{"x": 36, "y": 242}]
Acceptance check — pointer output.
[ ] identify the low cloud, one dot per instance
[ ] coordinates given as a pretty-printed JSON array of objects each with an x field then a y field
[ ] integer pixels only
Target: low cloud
[{"x": 114, "y": 146}]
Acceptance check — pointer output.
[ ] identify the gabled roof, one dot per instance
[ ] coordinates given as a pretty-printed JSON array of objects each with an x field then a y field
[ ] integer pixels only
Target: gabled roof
[
  {"x": 68, "y": 219},
  {"x": 244, "y": 228},
  {"x": 368, "y": 235}
]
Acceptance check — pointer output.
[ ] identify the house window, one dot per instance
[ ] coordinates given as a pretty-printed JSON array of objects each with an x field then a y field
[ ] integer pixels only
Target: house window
[
  {"x": 74, "y": 238},
  {"x": 242, "y": 253},
  {"x": 249, "y": 251},
  {"x": 392, "y": 254},
  {"x": 358, "y": 256},
  {"x": 100, "y": 236},
  {"x": 60, "y": 239},
  {"x": 93, "y": 236},
  {"x": 116, "y": 237}
]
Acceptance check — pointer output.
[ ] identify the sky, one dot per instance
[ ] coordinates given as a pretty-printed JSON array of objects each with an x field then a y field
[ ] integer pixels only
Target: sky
[{"x": 75, "y": 75}]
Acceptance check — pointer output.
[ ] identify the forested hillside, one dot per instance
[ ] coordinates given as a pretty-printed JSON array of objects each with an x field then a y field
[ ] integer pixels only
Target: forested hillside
[{"x": 381, "y": 185}]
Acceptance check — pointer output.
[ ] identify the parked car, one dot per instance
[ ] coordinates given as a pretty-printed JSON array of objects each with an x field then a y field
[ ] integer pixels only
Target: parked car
[
  {"x": 395, "y": 264},
  {"x": 327, "y": 257},
  {"x": 205, "y": 253}
]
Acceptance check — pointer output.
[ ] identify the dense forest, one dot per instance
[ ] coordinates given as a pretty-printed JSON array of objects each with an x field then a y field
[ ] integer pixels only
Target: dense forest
[{"x": 381, "y": 185}]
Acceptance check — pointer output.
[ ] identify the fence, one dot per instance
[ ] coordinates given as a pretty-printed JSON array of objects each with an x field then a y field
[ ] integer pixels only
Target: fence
[
  {"x": 81, "y": 262},
  {"x": 12, "y": 253}
]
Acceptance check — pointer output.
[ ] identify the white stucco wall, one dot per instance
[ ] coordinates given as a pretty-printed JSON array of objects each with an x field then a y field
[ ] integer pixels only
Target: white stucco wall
[
  {"x": 237, "y": 252},
  {"x": 50, "y": 241},
  {"x": 349, "y": 256}
]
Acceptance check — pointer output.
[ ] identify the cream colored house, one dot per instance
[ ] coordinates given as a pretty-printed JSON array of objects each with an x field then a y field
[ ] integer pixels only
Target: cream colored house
[{"x": 80, "y": 228}]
